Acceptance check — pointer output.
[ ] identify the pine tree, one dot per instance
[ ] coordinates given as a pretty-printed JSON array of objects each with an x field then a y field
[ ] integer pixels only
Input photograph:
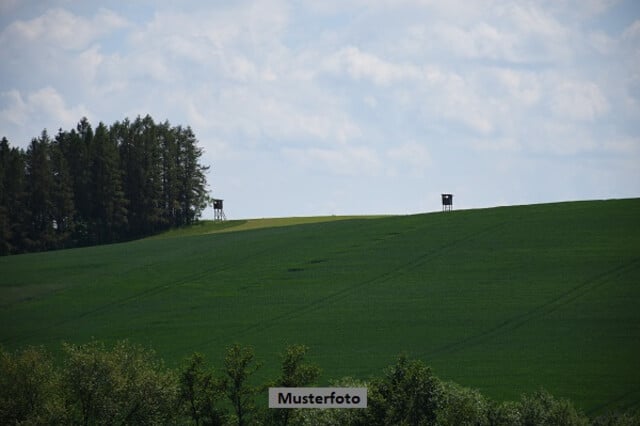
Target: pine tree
[
  {"x": 129, "y": 180},
  {"x": 169, "y": 152},
  {"x": 152, "y": 181},
  {"x": 62, "y": 197},
  {"x": 133, "y": 173},
  {"x": 75, "y": 145},
  {"x": 40, "y": 228},
  {"x": 193, "y": 196},
  {"x": 109, "y": 204},
  {"x": 5, "y": 227},
  {"x": 15, "y": 197}
]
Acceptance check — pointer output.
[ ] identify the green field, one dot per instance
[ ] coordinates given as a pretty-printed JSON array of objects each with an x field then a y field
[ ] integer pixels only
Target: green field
[{"x": 505, "y": 300}]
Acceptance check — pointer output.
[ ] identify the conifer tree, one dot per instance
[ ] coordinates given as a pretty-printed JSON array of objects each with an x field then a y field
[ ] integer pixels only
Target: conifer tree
[
  {"x": 124, "y": 181},
  {"x": 152, "y": 178},
  {"x": 39, "y": 187},
  {"x": 14, "y": 198},
  {"x": 169, "y": 172},
  {"x": 63, "y": 209},
  {"x": 5, "y": 229},
  {"x": 140, "y": 154},
  {"x": 193, "y": 193},
  {"x": 109, "y": 215},
  {"x": 74, "y": 145}
]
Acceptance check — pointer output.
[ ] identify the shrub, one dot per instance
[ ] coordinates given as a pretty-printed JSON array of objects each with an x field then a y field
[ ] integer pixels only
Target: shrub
[
  {"x": 27, "y": 387},
  {"x": 462, "y": 406},
  {"x": 408, "y": 393},
  {"x": 125, "y": 385}
]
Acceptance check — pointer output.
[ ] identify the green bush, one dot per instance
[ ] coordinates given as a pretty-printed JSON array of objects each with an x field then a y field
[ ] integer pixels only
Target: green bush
[
  {"x": 542, "y": 409},
  {"x": 128, "y": 384},
  {"x": 201, "y": 393},
  {"x": 124, "y": 385},
  {"x": 407, "y": 394},
  {"x": 462, "y": 406},
  {"x": 334, "y": 416},
  {"x": 618, "y": 419},
  {"x": 28, "y": 386}
]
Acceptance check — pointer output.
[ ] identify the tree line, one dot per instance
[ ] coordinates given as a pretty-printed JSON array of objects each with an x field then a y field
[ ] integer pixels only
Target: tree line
[
  {"x": 86, "y": 186},
  {"x": 128, "y": 384}
]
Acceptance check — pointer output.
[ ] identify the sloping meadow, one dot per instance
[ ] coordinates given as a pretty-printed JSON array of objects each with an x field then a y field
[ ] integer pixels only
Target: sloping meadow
[{"x": 504, "y": 300}]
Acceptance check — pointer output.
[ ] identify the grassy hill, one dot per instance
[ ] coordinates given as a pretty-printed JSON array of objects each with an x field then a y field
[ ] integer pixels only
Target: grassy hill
[{"x": 505, "y": 300}]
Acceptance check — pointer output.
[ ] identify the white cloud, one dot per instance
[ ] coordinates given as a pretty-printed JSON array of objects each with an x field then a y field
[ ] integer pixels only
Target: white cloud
[
  {"x": 51, "y": 104},
  {"x": 578, "y": 100},
  {"x": 62, "y": 29},
  {"x": 530, "y": 18},
  {"x": 16, "y": 113},
  {"x": 497, "y": 144},
  {"x": 87, "y": 63},
  {"x": 411, "y": 156},
  {"x": 456, "y": 97},
  {"x": 7, "y": 6},
  {"x": 362, "y": 65},
  {"x": 344, "y": 161},
  {"x": 482, "y": 40},
  {"x": 580, "y": 10},
  {"x": 343, "y": 88},
  {"x": 512, "y": 32},
  {"x": 628, "y": 146},
  {"x": 632, "y": 32},
  {"x": 523, "y": 87},
  {"x": 370, "y": 101},
  {"x": 438, "y": 92},
  {"x": 563, "y": 139},
  {"x": 44, "y": 108},
  {"x": 235, "y": 41},
  {"x": 602, "y": 43}
]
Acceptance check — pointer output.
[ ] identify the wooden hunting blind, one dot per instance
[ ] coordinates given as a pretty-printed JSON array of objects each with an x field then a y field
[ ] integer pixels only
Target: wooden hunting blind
[
  {"x": 218, "y": 212},
  {"x": 447, "y": 202}
]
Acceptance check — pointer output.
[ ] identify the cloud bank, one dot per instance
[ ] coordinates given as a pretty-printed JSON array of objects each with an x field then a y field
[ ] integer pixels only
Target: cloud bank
[{"x": 349, "y": 107}]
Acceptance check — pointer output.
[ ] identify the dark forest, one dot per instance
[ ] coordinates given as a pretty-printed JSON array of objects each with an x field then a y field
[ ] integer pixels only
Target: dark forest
[{"x": 90, "y": 186}]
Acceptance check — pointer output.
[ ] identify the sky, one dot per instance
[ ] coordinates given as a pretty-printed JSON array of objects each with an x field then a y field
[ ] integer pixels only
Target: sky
[{"x": 344, "y": 107}]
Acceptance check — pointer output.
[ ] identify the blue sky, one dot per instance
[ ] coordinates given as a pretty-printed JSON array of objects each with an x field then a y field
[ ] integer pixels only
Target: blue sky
[{"x": 348, "y": 107}]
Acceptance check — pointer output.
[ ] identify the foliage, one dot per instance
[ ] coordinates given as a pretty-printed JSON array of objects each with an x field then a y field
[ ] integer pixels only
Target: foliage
[
  {"x": 28, "y": 385},
  {"x": 39, "y": 184},
  {"x": 503, "y": 413},
  {"x": 295, "y": 372},
  {"x": 12, "y": 199},
  {"x": 631, "y": 418},
  {"x": 541, "y": 408},
  {"x": 462, "y": 406},
  {"x": 128, "y": 384},
  {"x": 334, "y": 416},
  {"x": 84, "y": 187},
  {"x": 239, "y": 366},
  {"x": 124, "y": 385},
  {"x": 407, "y": 394},
  {"x": 201, "y": 392}
]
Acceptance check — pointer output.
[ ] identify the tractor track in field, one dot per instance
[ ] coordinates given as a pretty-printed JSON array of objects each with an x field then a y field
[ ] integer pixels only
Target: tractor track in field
[
  {"x": 148, "y": 292},
  {"x": 539, "y": 311},
  {"x": 341, "y": 294}
]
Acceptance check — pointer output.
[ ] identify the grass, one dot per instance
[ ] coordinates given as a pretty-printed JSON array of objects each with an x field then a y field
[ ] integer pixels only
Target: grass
[
  {"x": 505, "y": 300},
  {"x": 213, "y": 227}
]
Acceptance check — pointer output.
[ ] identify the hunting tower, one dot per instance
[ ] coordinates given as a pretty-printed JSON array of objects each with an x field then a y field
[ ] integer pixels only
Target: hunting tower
[
  {"x": 218, "y": 212},
  {"x": 447, "y": 202}
]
